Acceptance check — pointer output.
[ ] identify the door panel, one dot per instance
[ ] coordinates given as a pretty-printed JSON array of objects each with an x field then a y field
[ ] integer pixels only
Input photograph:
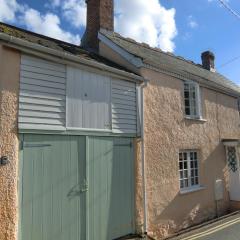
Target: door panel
[
  {"x": 111, "y": 191},
  {"x": 56, "y": 201},
  {"x": 53, "y": 173}
]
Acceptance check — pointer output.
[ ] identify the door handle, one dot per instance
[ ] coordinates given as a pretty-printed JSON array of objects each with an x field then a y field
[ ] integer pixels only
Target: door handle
[{"x": 84, "y": 187}]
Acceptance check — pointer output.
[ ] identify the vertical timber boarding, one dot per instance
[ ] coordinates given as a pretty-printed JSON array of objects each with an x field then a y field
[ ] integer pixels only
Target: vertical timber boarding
[
  {"x": 61, "y": 98},
  {"x": 111, "y": 169},
  {"x": 53, "y": 191},
  {"x": 76, "y": 187}
]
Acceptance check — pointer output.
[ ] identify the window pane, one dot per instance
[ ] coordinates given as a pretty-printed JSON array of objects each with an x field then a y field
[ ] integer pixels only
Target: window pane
[
  {"x": 194, "y": 112},
  {"x": 187, "y": 111},
  {"x": 192, "y": 88},
  {"x": 186, "y": 86},
  {"x": 196, "y": 180},
  {"x": 181, "y": 184},
  {"x": 195, "y": 164},
  {"x": 185, "y": 165},
  {"x": 186, "y": 182},
  {"x": 192, "y": 165},
  {"x": 185, "y": 174},
  {"x": 181, "y": 174},
  {"x": 180, "y": 165},
  {"x": 186, "y": 94},
  {"x": 193, "y": 103},
  {"x": 194, "y": 95},
  {"x": 192, "y": 181}
]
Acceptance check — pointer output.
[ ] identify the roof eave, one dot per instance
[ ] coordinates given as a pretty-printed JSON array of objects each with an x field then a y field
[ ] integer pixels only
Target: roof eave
[
  {"x": 25, "y": 46},
  {"x": 201, "y": 80},
  {"x": 132, "y": 59}
]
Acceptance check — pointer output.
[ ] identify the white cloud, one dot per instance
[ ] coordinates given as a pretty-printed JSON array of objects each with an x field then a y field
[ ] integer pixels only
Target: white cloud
[
  {"x": 150, "y": 22},
  {"x": 49, "y": 25},
  {"x": 55, "y": 3},
  {"x": 146, "y": 21},
  {"x": 8, "y": 10},
  {"x": 191, "y": 22},
  {"x": 75, "y": 12}
]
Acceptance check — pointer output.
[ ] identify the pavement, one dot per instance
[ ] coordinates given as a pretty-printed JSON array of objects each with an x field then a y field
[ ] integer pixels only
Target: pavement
[{"x": 225, "y": 228}]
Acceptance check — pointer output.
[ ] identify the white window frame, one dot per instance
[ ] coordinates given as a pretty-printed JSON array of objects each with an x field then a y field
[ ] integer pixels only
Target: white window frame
[
  {"x": 198, "y": 114},
  {"x": 189, "y": 169}
]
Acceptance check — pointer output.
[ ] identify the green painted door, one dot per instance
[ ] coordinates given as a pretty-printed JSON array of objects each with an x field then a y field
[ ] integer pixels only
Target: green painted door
[
  {"x": 76, "y": 188},
  {"x": 53, "y": 197},
  {"x": 111, "y": 188}
]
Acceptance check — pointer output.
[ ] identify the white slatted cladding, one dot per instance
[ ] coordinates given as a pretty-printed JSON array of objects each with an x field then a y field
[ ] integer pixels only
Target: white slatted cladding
[
  {"x": 88, "y": 100},
  {"x": 42, "y": 94},
  {"x": 124, "y": 106}
]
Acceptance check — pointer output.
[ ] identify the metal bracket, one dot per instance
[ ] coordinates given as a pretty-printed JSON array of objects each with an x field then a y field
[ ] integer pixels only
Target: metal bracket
[{"x": 4, "y": 160}]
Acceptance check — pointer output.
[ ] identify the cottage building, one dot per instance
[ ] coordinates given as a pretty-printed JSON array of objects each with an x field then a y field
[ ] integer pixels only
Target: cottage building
[
  {"x": 188, "y": 160},
  {"x": 191, "y": 138},
  {"x": 111, "y": 138},
  {"x": 68, "y": 122}
]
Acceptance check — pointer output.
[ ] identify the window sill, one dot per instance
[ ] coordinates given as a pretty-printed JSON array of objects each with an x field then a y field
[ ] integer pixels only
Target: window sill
[
  {"x": 195, "y": 119},
  {"x": 190, "y": 190}
]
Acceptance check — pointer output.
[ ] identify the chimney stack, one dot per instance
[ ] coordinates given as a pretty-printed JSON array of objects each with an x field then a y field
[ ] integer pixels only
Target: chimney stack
[
  {"x": 100, "y": 15},
  {"x": 208, "y": 61}
]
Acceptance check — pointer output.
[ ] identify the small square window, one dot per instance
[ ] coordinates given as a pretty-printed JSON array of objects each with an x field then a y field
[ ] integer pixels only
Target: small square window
[{"x": 188, "y": 169}]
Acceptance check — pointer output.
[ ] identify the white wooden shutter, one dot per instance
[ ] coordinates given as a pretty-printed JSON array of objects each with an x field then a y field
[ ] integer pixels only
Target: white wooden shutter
[
  {"x": 124, "y": 106},
  {"x": 88, "y": 100},
  {"x": 42, "y": 94}
]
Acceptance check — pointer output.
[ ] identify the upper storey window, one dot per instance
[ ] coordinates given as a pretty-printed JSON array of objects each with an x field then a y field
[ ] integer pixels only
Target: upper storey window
[{"x": 192, "y": 100}]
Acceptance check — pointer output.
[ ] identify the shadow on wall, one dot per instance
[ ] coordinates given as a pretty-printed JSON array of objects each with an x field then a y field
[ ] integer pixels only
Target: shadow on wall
[{"x": 186, "y": 210}]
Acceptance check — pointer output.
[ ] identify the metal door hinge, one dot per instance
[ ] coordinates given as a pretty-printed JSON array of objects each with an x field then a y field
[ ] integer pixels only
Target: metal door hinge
[
  {"x": 29, "y": 145},
  {"x": 124, "y": 145}
]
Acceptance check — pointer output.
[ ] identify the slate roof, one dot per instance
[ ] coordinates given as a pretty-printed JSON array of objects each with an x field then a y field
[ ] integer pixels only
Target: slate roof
[
  {"x": 167, "y": 61},
  {"x": 56, "y": 45}
]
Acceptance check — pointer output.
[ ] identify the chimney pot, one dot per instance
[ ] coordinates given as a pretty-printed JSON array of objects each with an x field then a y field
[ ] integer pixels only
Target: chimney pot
[{"x": 208, "y": 59}]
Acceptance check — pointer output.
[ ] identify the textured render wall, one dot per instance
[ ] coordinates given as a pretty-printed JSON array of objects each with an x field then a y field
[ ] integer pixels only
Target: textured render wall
[
  {"x": 9, "y": 84},
  {"x": 166, "y": 132}
]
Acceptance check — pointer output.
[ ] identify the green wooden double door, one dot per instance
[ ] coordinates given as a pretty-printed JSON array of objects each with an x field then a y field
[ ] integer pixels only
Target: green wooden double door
[{"x": 76, "y": 187}]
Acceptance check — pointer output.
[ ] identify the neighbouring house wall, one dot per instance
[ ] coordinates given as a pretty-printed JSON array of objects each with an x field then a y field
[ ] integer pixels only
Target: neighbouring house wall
[
  {"x": 167, "y": 132},
  {"x": 9, "y": 84}
]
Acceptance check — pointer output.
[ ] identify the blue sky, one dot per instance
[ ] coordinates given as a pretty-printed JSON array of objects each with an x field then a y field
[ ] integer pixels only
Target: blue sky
[{"x": 185, "y": 27}]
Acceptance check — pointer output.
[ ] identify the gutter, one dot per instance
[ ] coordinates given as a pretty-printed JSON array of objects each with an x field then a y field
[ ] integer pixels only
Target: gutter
[
  {"x": 24, "y": 46},
  {"x": 145, "y": 224}
]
